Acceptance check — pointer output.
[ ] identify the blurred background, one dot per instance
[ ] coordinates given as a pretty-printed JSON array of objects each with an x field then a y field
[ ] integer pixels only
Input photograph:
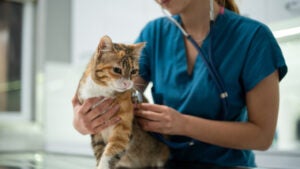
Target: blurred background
[{"x": 45, "y": 45}]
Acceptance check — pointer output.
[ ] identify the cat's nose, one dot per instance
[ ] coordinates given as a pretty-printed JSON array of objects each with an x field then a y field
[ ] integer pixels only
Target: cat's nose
[{"x": 126, "y": 84}]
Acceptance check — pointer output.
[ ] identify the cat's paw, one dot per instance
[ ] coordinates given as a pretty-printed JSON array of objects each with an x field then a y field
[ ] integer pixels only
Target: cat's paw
[{"x": 104, "y": 162}]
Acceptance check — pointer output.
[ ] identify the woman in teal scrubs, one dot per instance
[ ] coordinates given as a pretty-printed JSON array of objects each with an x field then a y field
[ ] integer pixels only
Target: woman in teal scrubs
[{"x": 187, "y": 103}]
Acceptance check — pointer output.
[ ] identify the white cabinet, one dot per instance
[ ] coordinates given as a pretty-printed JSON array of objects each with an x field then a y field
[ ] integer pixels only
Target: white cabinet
[{"x": 269, "y": 11}]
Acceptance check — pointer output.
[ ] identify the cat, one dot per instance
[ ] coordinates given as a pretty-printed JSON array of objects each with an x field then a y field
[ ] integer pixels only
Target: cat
[{"x": 110, "y": 73}]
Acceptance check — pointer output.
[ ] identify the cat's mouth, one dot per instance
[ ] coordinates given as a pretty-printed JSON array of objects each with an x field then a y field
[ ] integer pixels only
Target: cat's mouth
[
  {"x": 119, "y": 89},
  {"x": 122, "y": 85}
]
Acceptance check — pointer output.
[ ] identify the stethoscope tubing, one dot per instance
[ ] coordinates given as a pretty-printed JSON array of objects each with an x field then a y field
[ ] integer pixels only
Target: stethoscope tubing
[
  {"x": 211, "y": 70},
  {"x": 220, "y": 84}
]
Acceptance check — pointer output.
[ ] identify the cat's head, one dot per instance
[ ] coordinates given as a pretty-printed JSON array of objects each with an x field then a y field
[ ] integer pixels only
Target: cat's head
[{"x": 115, "y": 65}]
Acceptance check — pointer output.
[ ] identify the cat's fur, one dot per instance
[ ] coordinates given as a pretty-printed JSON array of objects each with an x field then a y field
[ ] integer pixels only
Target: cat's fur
[{"x": 110, "y": 73}]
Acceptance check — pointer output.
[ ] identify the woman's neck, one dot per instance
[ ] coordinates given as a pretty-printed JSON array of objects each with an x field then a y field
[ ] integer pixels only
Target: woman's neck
[{"x": 195, "y": 18}]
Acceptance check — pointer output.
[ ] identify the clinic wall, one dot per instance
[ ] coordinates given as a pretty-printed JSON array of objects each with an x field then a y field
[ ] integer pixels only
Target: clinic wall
[
  {"x": 117, "y": 19},
  {"x": 58, "y": 46},
  {"x": 89, "y": 21},
  {"x": 95, "y": 18}
]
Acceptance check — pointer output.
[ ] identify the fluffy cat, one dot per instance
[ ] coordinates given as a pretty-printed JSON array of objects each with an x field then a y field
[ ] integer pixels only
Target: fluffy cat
[{"x": 110, "y": 73}]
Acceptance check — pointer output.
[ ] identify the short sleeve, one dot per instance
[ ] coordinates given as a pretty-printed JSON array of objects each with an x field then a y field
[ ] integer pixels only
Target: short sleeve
[{"x": 264, "y": 56}]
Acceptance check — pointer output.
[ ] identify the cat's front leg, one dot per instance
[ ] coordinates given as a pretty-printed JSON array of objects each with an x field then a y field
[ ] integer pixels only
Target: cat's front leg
[
  {"x": 116, "y": 147},
  {"x": 98, "y": 146}
]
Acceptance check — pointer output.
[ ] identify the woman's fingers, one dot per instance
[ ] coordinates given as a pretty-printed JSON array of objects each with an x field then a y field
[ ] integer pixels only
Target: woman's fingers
[
  {"x": 102, "y": 118},
  {"x": 149, "y": 115},
  {"x": 159, "y": 118},
  {"x": 88, "y": 104},
  {"x": 101, "y": 107},
  {"x": 153, "y": 107},
  {"x": 149, "y": 125},
  {"x": 95, "y": 114},
  {"x": 151, "y": 112}
]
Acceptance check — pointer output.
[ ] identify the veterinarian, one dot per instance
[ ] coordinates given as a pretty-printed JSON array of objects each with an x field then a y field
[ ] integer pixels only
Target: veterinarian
[{"x": 226, "y": 105}]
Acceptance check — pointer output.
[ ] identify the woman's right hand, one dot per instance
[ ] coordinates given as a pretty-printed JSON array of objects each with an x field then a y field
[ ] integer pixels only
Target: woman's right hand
[{"x": 94, "y": 115}]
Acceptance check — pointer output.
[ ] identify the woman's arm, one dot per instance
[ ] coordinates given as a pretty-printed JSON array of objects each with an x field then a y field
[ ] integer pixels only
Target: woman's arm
[{"x": 262, "y": 103}]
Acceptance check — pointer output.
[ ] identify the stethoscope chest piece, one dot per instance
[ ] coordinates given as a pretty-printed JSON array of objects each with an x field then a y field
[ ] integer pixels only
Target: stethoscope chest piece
[{"x": 136, "y": 97}]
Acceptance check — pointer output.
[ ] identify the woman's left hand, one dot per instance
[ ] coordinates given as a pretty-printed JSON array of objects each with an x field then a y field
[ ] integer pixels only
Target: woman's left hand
[{"x": 160, "y": 118}]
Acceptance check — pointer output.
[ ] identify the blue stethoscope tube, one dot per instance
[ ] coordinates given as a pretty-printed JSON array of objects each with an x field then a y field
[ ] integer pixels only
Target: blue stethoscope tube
[{"x": 212, "y": 72}]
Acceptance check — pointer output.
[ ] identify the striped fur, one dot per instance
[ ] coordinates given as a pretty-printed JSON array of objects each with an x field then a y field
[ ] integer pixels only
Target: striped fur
[{"x": 110, "y": 73}]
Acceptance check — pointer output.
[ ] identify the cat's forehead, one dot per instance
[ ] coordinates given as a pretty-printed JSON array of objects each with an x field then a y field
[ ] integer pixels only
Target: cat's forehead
[
  {"x": 127, "y": 49},
  {"x": 125, "y": 53},
  {"x": 122, "y": 55}
]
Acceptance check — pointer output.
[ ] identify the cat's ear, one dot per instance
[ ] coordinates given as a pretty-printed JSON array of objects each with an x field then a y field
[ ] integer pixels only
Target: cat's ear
[
  {"x": 139, "y": 47},
  {"x": 105, "y": 44}
]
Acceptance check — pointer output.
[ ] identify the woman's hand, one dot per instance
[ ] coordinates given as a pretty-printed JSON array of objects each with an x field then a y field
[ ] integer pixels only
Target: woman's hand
[
  {"x": 94, "y": 115},
  {"x": 159, "y": 118}
]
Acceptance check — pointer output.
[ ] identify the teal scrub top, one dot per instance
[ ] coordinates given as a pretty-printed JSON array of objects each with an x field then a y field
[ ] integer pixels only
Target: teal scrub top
[{"x": 244, "y": 52}]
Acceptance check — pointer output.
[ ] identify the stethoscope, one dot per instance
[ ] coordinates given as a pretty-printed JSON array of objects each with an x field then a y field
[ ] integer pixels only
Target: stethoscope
[{"x": 210, "y": 67}]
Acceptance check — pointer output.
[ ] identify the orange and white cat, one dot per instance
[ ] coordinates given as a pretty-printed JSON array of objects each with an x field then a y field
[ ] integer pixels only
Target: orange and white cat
[{"x": 110, "y": 73}]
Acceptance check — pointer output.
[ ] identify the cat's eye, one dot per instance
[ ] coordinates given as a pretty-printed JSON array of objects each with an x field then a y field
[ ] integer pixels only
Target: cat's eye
[
  {"x": 134, "y": 71},
  {"x": 117, "y": 70}
]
